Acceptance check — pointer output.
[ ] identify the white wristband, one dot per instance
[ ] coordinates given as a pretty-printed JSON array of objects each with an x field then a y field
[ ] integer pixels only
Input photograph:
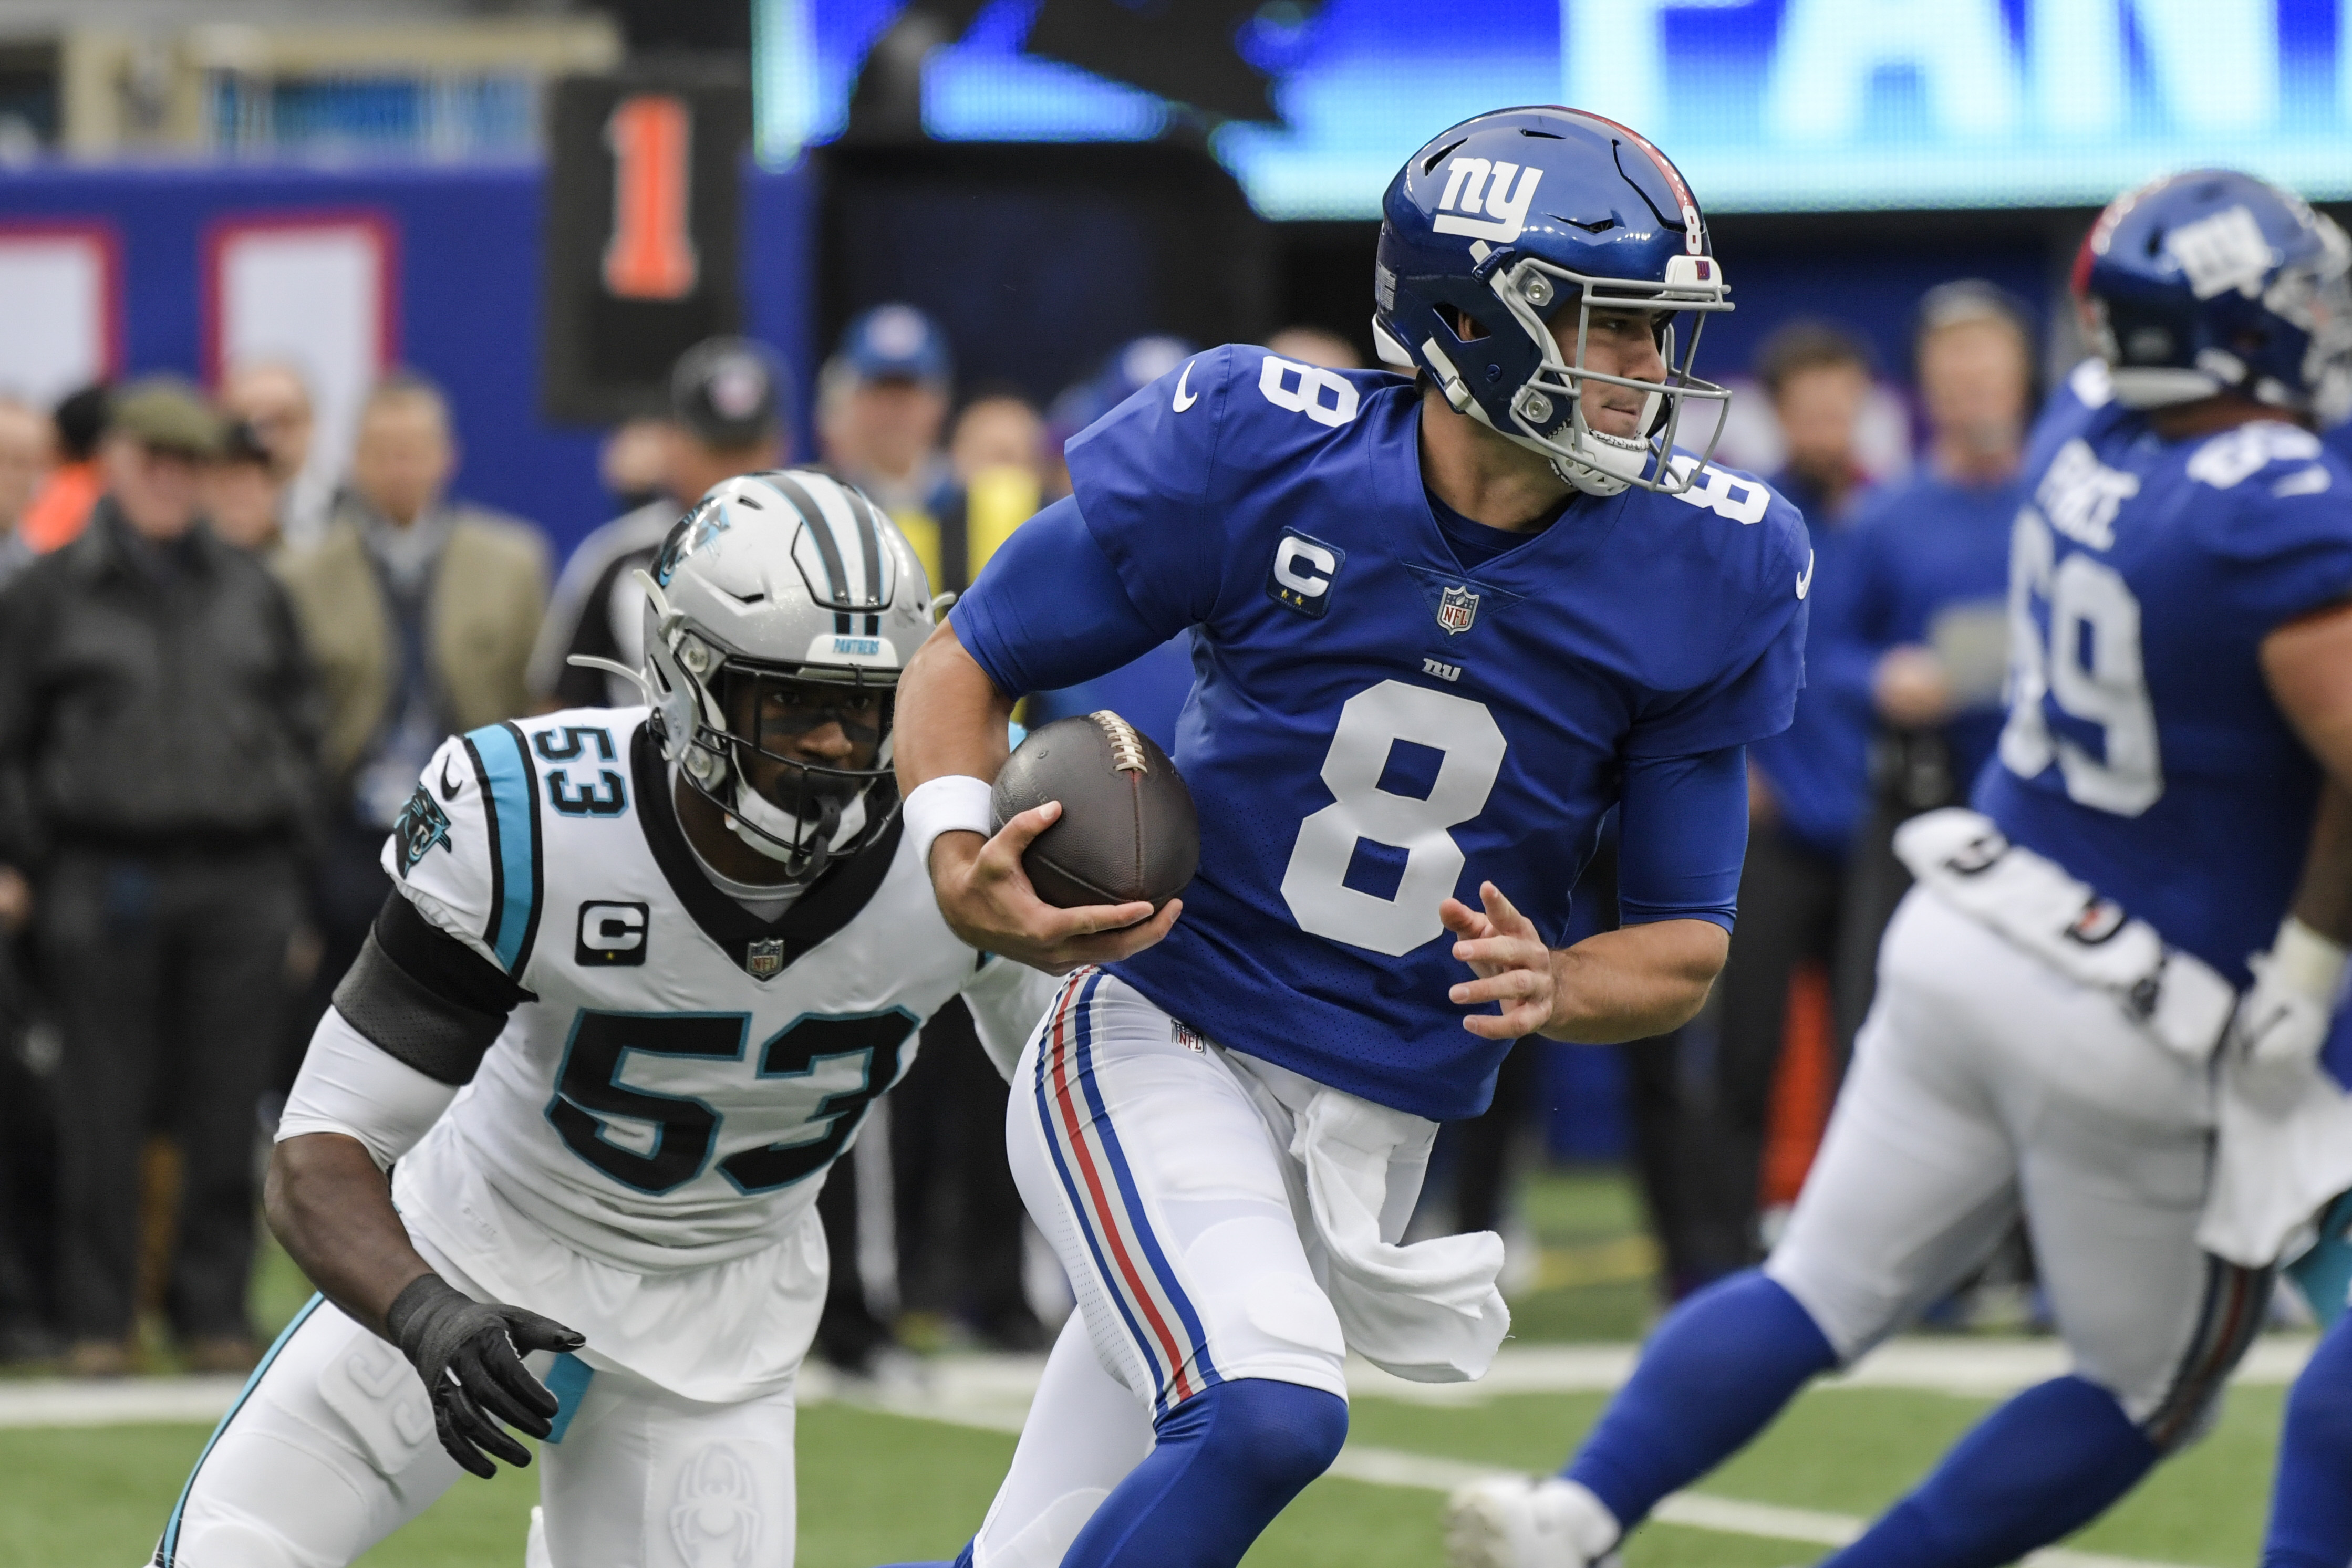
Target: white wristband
[
  {"x": 951, "y": 803},
  {"x": 2305, "y": 962}
]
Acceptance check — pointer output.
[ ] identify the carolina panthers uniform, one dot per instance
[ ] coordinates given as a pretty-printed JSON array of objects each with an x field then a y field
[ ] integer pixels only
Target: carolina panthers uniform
[
  {"x": 1225, "y": 1134},
  {"x": 638, "y": 1155}
]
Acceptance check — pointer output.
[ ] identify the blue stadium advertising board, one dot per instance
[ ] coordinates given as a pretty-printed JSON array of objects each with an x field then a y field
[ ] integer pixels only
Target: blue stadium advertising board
[{"x": 1768, "y": 105}]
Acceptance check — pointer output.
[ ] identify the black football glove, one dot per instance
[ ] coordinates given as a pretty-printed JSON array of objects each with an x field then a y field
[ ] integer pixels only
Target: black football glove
[{"x": 471, "y": 1354}]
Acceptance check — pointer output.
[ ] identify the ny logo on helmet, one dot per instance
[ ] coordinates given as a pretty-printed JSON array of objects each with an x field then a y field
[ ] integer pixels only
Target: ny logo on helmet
[{"x": 1477, "y": 185}]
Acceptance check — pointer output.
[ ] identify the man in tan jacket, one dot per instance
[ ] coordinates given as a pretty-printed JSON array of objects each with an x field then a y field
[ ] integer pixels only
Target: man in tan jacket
[{"x": 420, "y": 613}]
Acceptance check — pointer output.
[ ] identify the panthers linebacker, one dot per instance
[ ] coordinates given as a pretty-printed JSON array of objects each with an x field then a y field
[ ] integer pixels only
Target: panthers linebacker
[
  {"x": 2156, "y": 871},
  {"x": 1442, "y": 623},
  {"x": 643, "y": 972}
]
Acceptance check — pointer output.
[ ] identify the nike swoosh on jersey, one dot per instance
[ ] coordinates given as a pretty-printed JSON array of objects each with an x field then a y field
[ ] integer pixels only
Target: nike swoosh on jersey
[
  {"x": 448, "y": 789},
  {"x": 1185, "y": 400},
  {"x": 1805, "y": 578}
]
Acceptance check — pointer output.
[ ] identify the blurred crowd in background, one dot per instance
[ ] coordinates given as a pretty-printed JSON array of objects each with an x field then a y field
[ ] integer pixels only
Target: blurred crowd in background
[{"x": 219, "y": 682}]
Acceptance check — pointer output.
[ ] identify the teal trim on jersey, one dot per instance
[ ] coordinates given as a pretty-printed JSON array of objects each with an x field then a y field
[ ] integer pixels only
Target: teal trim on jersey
[
  {"x": 2324, "y": 1274},
  {"x": 509, "y": 788},
  {"x": 166, "y": 1553},
  {"x": 568, "y": 1380}
]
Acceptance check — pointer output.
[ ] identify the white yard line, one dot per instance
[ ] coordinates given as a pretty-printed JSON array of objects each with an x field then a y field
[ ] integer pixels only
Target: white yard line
[
  {"x": 133, "y": 1401},
  {"x": 999, "y": 1387}
]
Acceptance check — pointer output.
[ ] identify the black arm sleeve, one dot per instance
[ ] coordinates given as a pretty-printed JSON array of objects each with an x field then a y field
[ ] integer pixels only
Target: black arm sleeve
[{"x": 424, "y": 998}]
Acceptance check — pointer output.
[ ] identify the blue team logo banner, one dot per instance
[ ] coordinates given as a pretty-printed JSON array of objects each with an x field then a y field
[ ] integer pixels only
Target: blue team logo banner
[
  {"x": 1766, "y": 105},
  {"x": 1301, "y": 576}
]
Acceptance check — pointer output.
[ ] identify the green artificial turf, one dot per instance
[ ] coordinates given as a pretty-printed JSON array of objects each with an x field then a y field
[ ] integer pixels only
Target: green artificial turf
[{"x": 878, "y": 1489}]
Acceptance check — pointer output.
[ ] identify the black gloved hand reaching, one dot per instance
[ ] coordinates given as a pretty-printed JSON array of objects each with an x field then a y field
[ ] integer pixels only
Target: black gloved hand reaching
[{"x": 470, "y": 1354}]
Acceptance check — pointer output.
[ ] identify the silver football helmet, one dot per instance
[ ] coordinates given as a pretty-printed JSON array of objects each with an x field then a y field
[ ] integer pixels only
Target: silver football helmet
[{"x": 786, "y": 579}]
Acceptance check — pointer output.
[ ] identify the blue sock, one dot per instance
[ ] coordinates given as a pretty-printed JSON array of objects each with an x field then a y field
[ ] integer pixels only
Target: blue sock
[
  {"x": 1717, "y": 1370},
  {"x": 1228, "y": 1460},
  {"x": 2311, "y": 1502},
  {"x": 2046, "y": 1463}
]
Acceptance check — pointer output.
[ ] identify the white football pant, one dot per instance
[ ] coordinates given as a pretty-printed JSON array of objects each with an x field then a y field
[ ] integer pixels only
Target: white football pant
[
  {"x": 1159, "y": 1168},
  {"x": 1986, "y": 1084},
  {"x": 332, "y": 1448}
]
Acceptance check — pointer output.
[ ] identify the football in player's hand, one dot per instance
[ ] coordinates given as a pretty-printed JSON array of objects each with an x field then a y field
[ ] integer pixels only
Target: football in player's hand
[{"x": 1126, "y": 832}]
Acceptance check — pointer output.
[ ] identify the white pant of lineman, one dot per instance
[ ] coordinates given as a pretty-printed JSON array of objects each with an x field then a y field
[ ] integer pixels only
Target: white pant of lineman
[
  {"x": 1159, "y": 1168},
  {"x": 1984, "y": 1084},
  {"x": 332, "y": 1448}
]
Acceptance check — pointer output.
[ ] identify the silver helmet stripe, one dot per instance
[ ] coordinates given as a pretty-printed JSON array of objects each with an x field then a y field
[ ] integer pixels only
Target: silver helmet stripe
[
  {"x": 841, "y": 527},
  {"x": 869, "y": 549},
  {"x": 845, "y": 525},
  {"x": 816, "y": 530}
]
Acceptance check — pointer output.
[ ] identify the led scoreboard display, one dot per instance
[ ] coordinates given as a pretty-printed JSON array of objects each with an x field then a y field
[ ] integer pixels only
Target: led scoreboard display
[{"x": 1767, "y": 105}]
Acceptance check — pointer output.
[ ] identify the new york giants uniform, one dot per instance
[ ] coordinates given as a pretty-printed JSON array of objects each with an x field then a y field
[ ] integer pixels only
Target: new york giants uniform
[
  {"x": 2050, "y": 996},
  {"x": 638, "y": 1155},
  {"x": 1378, "y": 728},
  {"x": 1225, "y": 1134}
]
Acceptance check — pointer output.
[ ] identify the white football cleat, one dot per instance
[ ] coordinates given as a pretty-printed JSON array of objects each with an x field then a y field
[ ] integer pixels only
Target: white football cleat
[{"x": 1517, "y": 1521}]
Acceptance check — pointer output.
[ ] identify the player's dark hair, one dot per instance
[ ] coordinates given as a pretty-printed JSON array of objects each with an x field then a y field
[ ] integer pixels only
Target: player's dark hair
[{"x": 1808, "y": 344}]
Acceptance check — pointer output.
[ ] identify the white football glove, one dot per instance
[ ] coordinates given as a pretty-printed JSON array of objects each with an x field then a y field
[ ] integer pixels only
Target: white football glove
[{"x": 2281, "y": 1021}]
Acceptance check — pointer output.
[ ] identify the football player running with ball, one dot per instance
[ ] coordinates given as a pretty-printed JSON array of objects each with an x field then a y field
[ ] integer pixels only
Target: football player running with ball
[
  {"x": 1441, "y": 627},
  {"x": 2158, "y": 869},
  {"x": 641, "y": 976}
]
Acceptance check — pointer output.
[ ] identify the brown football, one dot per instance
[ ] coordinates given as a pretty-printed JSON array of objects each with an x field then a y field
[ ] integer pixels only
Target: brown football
[{"x": 1128, "y": 830}]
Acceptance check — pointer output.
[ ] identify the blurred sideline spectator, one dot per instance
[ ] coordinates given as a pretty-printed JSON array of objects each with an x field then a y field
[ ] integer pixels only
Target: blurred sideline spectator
[
  {"x": 243, "y": 497},
  {"x": 158, "y": 746},
  {"x": 25, "y": 439},
  {"x": 882, "y": 406},
  {"x": 420, "y": 614},
  {"x": 27, "y": 1116},
  {"x": 728, "y": 416},
  {"x": 997, "y": 429},
  {"x": 634, "y": 463},
  {"x": 272, "y": 398},
  {"x": 1926, "y": 596},
  {"x": 997, "y": 458},
  {"x": 1316, "y": 346},
  {"x": 58, "y": 512},
  {"x": 1805, "y": 787}
]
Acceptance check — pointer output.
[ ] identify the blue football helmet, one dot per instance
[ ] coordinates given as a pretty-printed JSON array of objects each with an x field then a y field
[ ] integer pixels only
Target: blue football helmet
[
  {"x": 2216, "y": 282},
  {"x": 1509, "y": 219}
]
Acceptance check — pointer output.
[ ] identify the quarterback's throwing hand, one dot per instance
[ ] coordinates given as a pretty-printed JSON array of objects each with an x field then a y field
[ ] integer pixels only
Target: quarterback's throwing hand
[
  {"x": 988, "y": 902},
  {"x": 470, "y": 1354},
  {"x": 1509, "y": 957}
]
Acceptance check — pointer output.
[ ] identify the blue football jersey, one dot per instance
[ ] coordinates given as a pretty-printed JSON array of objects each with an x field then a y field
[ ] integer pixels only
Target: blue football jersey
[
  {"x": 1373, "y": 727},
  {"x": 2142, "y": 751}
]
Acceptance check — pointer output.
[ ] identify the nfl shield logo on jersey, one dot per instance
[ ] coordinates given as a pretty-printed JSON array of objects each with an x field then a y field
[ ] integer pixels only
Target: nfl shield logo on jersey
[
  {"x": 1456, "y": 609},
  {"x": 763, "y": 957}
]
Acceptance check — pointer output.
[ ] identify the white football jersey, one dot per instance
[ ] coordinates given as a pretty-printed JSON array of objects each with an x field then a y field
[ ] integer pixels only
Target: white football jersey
[{"x": 671, "y": 1095}]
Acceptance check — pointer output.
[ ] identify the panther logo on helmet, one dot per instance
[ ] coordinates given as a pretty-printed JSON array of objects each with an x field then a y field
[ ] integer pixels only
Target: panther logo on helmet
[{"x": 789, "y": 594}]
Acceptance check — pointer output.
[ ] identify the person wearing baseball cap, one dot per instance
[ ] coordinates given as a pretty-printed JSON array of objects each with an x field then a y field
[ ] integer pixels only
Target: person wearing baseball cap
[
  {"x": 882, "y": 409},
  {"x": 729, "y": 414},
  {"x": 143, "y": 638}
]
